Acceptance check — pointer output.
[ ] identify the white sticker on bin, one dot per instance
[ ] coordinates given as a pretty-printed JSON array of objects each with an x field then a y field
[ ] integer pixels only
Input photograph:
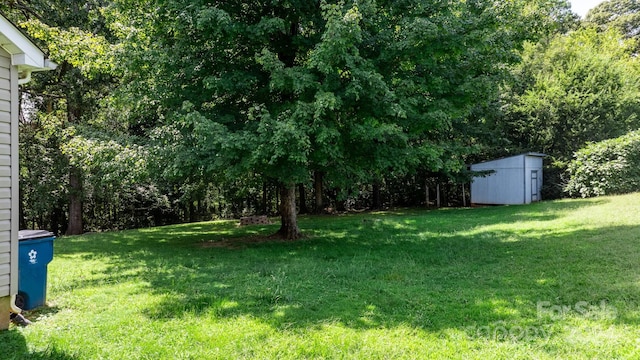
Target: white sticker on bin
[{"x": 33, "y": 256}]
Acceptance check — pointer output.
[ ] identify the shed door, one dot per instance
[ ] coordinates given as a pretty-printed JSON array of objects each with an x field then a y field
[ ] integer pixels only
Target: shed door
[{"x": 534, "y": 186}]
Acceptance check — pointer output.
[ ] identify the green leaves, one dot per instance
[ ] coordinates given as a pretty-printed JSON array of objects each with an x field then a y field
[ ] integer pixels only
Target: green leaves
[
  {"x": 622, "y": 15},
  {"x": 90, "y": 53},
  {"x": 606, "y": 168},
  {"x": 108, "y": 161},
  {"x": 213, "y": 20},
  {"x": 582, "y": 86}
]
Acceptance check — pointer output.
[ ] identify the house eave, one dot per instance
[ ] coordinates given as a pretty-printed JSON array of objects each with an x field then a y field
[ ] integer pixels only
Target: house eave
[{"x": 25, "y": 55}]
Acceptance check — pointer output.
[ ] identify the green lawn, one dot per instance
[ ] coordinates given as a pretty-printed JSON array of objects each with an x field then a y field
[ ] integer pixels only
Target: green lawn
[{"x": 549, "y": 280}]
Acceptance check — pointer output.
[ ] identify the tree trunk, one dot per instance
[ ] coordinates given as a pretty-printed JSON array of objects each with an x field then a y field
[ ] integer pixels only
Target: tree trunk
[
  {"x": 265, "y": 210},
  {"x": 303, "y": 200},
  {"x": 464, "y": 196},
  {"x": 376, "y": 196},
  {"x": 289, "y": 222},
  {"x": 192, "y": 212},
  {"x": 341, "y": 205},
  {"x": 75, "y": 202},
  {"x": 317, "y": 186},
  {"x": 56, "y": 216}
]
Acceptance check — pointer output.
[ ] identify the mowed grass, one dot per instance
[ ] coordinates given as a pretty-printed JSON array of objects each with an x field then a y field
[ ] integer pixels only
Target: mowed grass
[{"x": 550, "y": 280}]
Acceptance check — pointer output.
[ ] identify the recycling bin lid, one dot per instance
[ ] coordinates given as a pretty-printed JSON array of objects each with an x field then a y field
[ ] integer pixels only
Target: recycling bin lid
[{"x": 33, "y": 234}]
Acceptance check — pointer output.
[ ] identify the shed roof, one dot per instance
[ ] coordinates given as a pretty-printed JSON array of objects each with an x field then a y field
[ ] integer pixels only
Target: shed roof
[
  {"x": 24, "y": 53},
  {"x": 534, "y": 154}
]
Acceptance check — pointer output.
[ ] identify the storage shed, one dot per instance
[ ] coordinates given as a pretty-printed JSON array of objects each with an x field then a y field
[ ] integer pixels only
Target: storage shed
[
  {"x": 514, "y": 180},
  {"x": 19, "y": 57}
]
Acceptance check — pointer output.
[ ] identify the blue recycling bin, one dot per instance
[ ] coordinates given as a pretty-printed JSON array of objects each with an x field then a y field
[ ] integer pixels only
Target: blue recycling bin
[{"x": 35, "y": 252}]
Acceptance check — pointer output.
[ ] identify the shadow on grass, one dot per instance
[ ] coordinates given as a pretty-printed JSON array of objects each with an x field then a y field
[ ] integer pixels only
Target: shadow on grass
[
  {"x": 430, "y": 270},
  {"x": 40, "y": 312},
  {"x": 14, "y": 347}
]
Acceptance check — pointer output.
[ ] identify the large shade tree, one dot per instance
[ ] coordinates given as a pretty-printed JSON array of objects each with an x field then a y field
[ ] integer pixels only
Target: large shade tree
[{"x": 354, "y": 89}]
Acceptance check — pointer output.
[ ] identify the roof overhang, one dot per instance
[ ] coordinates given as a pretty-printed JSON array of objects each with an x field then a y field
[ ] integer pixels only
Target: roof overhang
[
  {"x": 24, "y": 53},
  {"x": 535, "y": 154}
]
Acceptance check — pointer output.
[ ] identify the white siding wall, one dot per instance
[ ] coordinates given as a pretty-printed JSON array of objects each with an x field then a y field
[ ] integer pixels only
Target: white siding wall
[
  {"x": 511, "y": 182},
  {"x": 504, "y": 186},
  {"x": 8, "y": 110}
]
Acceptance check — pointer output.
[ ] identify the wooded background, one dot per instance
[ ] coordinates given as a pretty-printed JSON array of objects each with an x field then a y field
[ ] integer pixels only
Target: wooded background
[{"x": 167, "y": 111}]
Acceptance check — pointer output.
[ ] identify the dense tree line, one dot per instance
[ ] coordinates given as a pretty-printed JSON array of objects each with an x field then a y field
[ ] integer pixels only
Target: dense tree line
[{"x": 165, "y": 111}]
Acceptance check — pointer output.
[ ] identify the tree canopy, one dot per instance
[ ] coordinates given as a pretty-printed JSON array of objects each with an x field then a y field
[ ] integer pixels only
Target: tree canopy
[
  {"x": 623, "y": 15},
  {"x": 353, "y": 89},
  {"x": 578, "y": 87}
]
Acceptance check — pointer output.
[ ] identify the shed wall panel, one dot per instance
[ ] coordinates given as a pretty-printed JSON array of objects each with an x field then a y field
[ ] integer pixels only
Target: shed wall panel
[
  {"x": 502, "y": 187},
  {"x": 513, "y": 162},
  {"x": 511, "y": 182}
]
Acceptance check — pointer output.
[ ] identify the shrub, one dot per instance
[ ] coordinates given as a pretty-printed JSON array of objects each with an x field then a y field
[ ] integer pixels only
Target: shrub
[{"x": 606, "y": 168}]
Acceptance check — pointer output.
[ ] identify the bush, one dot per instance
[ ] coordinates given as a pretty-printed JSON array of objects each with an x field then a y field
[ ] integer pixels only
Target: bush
[{"x": 606, "y": 168}]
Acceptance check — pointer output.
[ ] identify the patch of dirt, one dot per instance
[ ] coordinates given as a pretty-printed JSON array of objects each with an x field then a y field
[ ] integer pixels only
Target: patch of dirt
[{"x": 243, "y": 242}]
